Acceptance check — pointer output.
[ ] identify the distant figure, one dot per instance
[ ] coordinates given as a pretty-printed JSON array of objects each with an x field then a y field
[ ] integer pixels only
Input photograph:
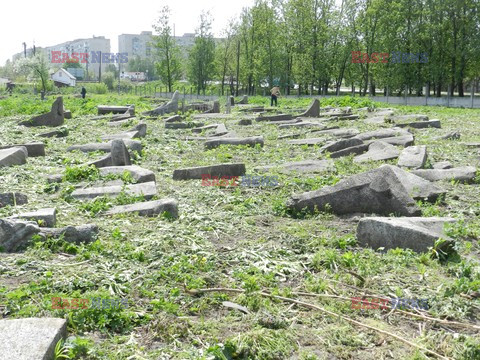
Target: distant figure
[
  {"x": 275, "y": 92},
  {"x": 84, "y": 92}
]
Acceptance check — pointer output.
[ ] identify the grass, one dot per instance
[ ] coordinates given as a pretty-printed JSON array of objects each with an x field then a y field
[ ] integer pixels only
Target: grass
[{"x": 231, "y": 237}]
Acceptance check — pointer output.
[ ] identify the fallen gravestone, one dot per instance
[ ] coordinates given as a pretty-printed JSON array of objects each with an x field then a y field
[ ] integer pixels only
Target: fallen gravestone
[
  {"x": 306, "y": 166},
  {"x": 119, "y": 153},
  {"x": 274, "y": 117},
  {"x": 356, "y": 150},
  {"x": 340, "y": 145},
  {"x": 384, "y": 191},
  {"x": 12, "y": 199},
  {"x": 453, "y": 135},
  {"x": 378, "y": 151},
  {"x": 30, "y": 338},
  {"x": 149, "y": 208},
  {"x": 339, "y": 133},
  {"x": 13, "y": 156},
  {"x": 236, "y": 169},
  {"x": 82, "y": 234},
  {"x": 313, "y": 110},
  {"x": 148, "y": 190},
  {"x": 409, "y": 117},
  {"x": 383, "y": 133},
  {"x": 413, "y": 157},
  {"x": 55, "y": 133},
  {"x": 174, "y": 118},
  {"x": 464, "y": 174},
  {"x": 53, "y": 118},
  {"x": 421, "y": 124},
  {"x": 248, "y": 141},
  {"x": 116, "y": 109},
  {"x": 443, "y": 165},
  {"x": 133, "y": 145},
  {"x": 170, "y": 107},
  {"x": 406, "y": 140},
  {"x": 416, "y": 233},
  {"x": 43, "y": 217},
  {"x": 16, "y": 234},
  {"x": 33, "y": 149},
  {"x": 140, "y": 175},
  {"x": 138, "y": 131}
]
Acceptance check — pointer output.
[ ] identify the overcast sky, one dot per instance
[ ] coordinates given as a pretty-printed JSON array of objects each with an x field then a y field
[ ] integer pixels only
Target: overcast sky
[{"x": 51, "y": 22}]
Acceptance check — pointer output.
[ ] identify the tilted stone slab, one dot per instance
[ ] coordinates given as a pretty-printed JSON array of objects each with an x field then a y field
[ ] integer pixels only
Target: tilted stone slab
[
  {"x": 53, "y": 118},
  {"x": 413, "y": 157},
  {"x": 13, "y": 156},
  {"x": 133, "y": 145},
  {"x": 30, "y": 338},
  {"x": 356, "y": 150},
  {"x": 16, "y": 234},
  {"x": 340, "y": 145},
  {"x": 119, "y": 153},
  {"x": 249, "y": 141},
  {"x": 12, "y": 199},
  {"x": 43, "y": 217},
  {"x": 82, "y": 234},
  {"x": 443, "y": 165},
  {"x": 139, "y": 174},
  {"x": 383, "y": 133},
  {"x": 313, "y": 110},
  {"x": 236, "y": 169},
  {"x": 174, "y": 118},
  {"x": 306, "y": 166},
  {"x": 33, "y": 149},
  {"x": 170, "y": 107},
  {"x": 148, "y": 190},
  {"x": 462, "y": 174},
  {"x": 378, "y": 151},
  {"x": 384, "y": 191},
  {"x": 149, "y": 208},
  {"x": 416, "y": 233},
  {"x": 279, "y": 117}
]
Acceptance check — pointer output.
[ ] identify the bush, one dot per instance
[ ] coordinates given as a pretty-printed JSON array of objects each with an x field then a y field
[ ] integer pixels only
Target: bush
[{"x": 108, "y": 80}]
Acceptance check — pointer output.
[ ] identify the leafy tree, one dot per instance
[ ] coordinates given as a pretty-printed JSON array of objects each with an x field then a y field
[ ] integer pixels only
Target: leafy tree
[{"x": 36, "y": 67}]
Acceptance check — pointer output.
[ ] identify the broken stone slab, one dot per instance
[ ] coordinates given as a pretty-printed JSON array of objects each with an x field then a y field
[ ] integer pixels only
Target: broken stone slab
[
  {"x": 377, "y": 151},
  {"x": 340, "y": 145},
  {"x": 116, "y": 109},
  {"x": 308, "y": 141},
  {"x": 149, "y": 208},
  {"x": 453, "y": 135},
  {"x": 384, "y": 191},
  {"x": 344, "y": 117},
  {"x": 302, "y": 124},
  {"x": 53, "y": 118},
  {"x": 464, "y": 174},
  {"x": 245, "y": 122},
  {"x": 359, "y": 149},
  {"x": 306, "y": 166},
  {"x": 138, "y": 131},
  {"x": 206, "y": 127},
  {"x": 383, "y": 133},
  {"x": 105, "y": 161},
  {"x": 406, "y": 140},
  {"x": 221, "y": 130},
  {"x": 244, "y": 100},
  {"x": 313, "y": 110},
  {"x": 43, "y": 217},
  {"x": 254, "y": 109},
  {"x": 339, "y": 133},
  {"x": 413, "y": 157},
  {"x": 416, "y": 233},
  {"x": 409, "y": 117},
  {"x": 13, "y": 156},
  {"x": 249, "y": 141},
  {"x": 180, "y": 125},
  {"x": 285, "y": 122},
  {"x": 31, "y": 338},
  {"x": 289, "y": 136},
  {"x": 169, "y": 107},
  {"x": 443, "y": 165},
  {"x": 422, "y": 124},
  {"x": 67, "y": 114},
  {"x": 82, "y": 234},
  {"x": 119, "y": 153},
  {"x": 148, "y": 190},
  {"x": 55, "y": 133},
  {"x": 13, "y": 199},
  {"x": 279, "y": 117},
  {"x": 33, "y": 149},
  {"x": 16, "y": 234},
  {"x": 236, "y": 169},
  {"x": 139, "y": 174},
  {"x": 133, "y": 145},
  {"x": 472, "y": 144},
  {"x": 174, "y": 118}
]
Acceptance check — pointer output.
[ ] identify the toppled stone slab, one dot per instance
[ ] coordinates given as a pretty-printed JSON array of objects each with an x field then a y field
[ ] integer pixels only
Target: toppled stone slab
[
  {"x": 33, "y": 149},
  {"x": 413, "y": 157},
  {"x": 221, "y": 130},
  {"x": 116, "y": 109},
  {"x": 148, "y": 190},
  {"x": 249, "y": 141},
  {"x": 174, "y": 118},
  {"x": 30, "y": 338},
  {"x": 406, "y": 140},
  {"x": 244, "y": 100},
  {"x": 16, "y": 234},
  {"x": 180, "y": 125},
  {"x": 377, "y": 151},
  {"x": 422, "y": 124},
  {"x": 452, "y": 135},
  {"x": 13, "y": 156},
  {"x": 53, "y": 118},
  {"x": 384, "y": 191},
  {"x": 383, "y": 133},
  {"x": 82, "y": 234},
  {"x": 245, "y": 122},
  {"x": 464, "y": 174},
  {"x": 409, "y": 117},
  {"x": 308, "y": 141},
  {"x": 105, "y": 161},
  {"x": 356, "y": 150},
  {"x": 472, "y": 144},
  {"x": 119, "y": 153},
  {"x": 133, "y": 145},
  {"x": 443, "y": 165},
  {"x": 138, "y": 131},
  {"x": 302, "y": 124},
  {"x": 279, "y": 117},
  {"x": 206, "y": 127},
  {"x": 55, "y": 133},
  {"x": 236, "y": 169},
  {"x": 416, "y": 233},
  {"x": 313, "y": 110},
  {"x": 339, "y": 133},
  {"x": 13, "y": 199},
  {"x": 306, "y": 166},
  {"x": 149, "y": 208},
  {"x": 139, "y": 174},
  {"x": 375, "y": 120},
  {"x": 43, "y": 217},
  {"x": 170, "y": 107},
  {"x": 340, "y": 145},
  {"x": 67, "y": 114}
]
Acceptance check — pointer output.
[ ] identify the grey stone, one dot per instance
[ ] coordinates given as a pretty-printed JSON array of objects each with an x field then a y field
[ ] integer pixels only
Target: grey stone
[
  {"x": 30, "y": 338},
  {"x": 416, "y": 233},
  {"x": 462, "y": 174},
  {"x": 249, "y": 141},
  {"x": 12, "y": 199},
  {"x": 375, "y": 120},
  {"x": 410, "y": 117},
  {"x": 452, "y": 135},
  {"x": 221, "y": 130},
  {"x": 53, "y": 118},
  {"x": 139, "y": 174},
  {"x": 413, "y": 157},
  {"x": 339, "y": 133},
  {"x": 302, "y": 124},
  {"x": 377, "y": 151},
  {"x": 119, "y": 153},
  {"x": 116, "y": 109},
  {"x": 55, "y": 133},
  {"x": 279, "y": 117},
  {"x": 67, "y": 114},
  {"x": 122, "y": 136},
  {"x": 149, "y": 208},
  {"x": 244, "y": 100},
  {"x": 384, "y": 191},
  {"x": 179, "y": 125},
  {"x": 16, "y": 234},
  {"x": 344, "y": 117},
  {"x": 472, "y": 144},
  {"x": 359, "y": 149},
  {"x": 443, "y": 165},
  {"x": 308, "y": 141},
  {"x": 43, "y": 217},
  {"x": 313, "y": 110},
  {"x": 422, "y": 124},
  {"x": 206, "y": 127},
  {"x": 13, "y": 156},
  {"x": 56, "y": 178},
  {"x": 340, "y": 145},
  {"x": 306, "y": 166},
  {"x": 170, "y": 107},
  {"x": 406, "y": 140},
  {"x": 174, "y": 118},
  {"x": 383, "y": 133},
  {"x": 105, "y": 161},
  {"x": 133, "y": 145},
  {"x": 82, "y": 234},
  {"x": 236, "y": 169},
  {"x": 244, "y": 122},
  {"x": 148, "y": 190},
  {"x": 33, "y": 149}
]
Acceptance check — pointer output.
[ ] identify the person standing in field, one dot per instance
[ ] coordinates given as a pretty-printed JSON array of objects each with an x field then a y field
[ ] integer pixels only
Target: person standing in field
[
  {"x": 275, "y": 92},
  {"x": 84, "y": 92}
]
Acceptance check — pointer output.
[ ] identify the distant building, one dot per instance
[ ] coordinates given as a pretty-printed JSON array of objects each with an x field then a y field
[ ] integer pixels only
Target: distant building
[
  {"x": 134, "y": 76},
  {"x": 62, "y": 77}
]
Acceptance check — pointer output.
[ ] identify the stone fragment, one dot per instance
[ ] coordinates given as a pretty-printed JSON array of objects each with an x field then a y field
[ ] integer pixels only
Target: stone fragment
[
  {"x": 377, "y": 151},
  {"x": 416, "y": 233},
  {"x": 43, "y": 217},
  {"x": 452, "y": 135},
  {"x": 306, "y": 166},
  {"x": 53, "y": 118},
  {"x": 12, "y": 199},
  {"x": 359, "y": 149},
  {"x": 249, "y": 141},
  {"x": 236, "y": 169},
  {"x": 383, "y": 133},
  {"x": 16, "y": 234},
  {"x": 313, "y": 110},
  {"x": 170, "y": 107},
  {"x": 149, "y": 208},
  {"x": 119, "y": 153},
  {"x": 82, "y": 234},
  {"x": 279, "y": 117},
  {"x": 13, "y": 156},
  {"x": 139, "y": 174},
  {"x": 413, "y": 157},
  {"x": 422, "y": 124},
  {"x": 340, "y": 145},
  {"x": 443, "y": 165},
  {"x": 463, "y": 174},
  {"x": 33, "y": 149},
  {"x": 133, "y": 145},
  {"x": 148, "y": 190},
  {"x": 406, "y": 140},
  {"x": 174, "y": 118}
]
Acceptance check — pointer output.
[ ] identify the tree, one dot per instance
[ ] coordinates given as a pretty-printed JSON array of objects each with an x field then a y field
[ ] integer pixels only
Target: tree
[
  {"x": 168, "y": 64},
  {"x": 202, "y": 55},
  {"x": 37, "y": 69},
  {"x": 224, "y": 54}
]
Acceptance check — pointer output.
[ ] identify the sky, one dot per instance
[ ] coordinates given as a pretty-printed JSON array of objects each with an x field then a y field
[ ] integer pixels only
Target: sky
[{"x": 47, "y": 23}]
